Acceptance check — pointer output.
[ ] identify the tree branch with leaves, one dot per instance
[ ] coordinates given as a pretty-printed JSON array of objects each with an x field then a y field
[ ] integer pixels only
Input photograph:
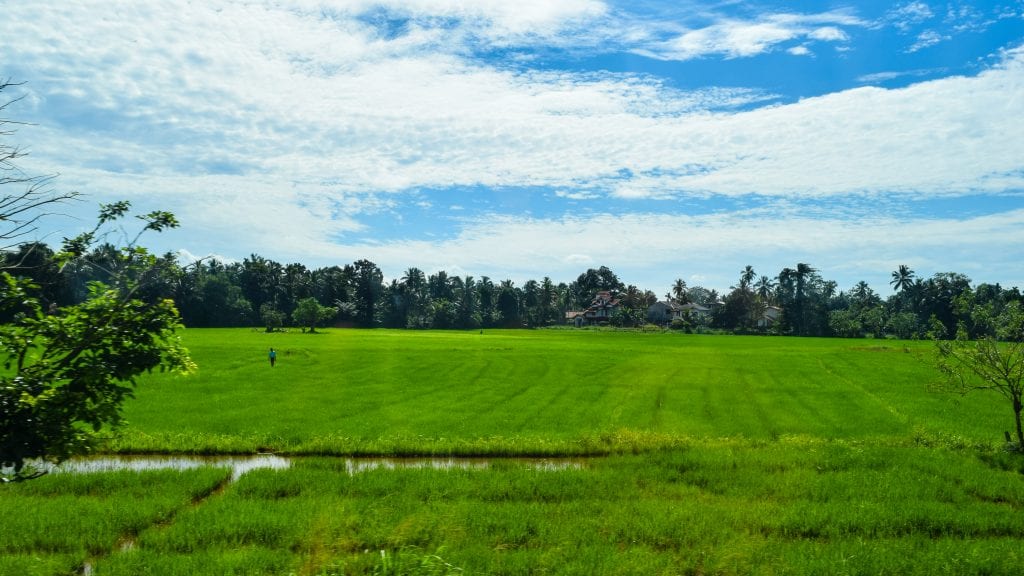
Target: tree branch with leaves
[
  {"x": 988, "y": 364},
  {"x": 66, "y": 371}
]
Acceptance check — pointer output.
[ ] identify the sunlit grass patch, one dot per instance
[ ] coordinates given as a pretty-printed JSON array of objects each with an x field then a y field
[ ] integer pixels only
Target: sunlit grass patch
[
  {"x": 65, "y": 519},
  {"x": 699, "y": 455},
  {"x": 738, "y": 506},
  {"x": 544, "y": 392}
]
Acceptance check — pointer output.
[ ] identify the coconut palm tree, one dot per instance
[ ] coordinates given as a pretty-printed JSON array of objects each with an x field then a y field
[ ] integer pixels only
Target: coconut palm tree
[
  {"x": 903, "y": 278},
  {"x": 747, "y": 276},
  {"x": 802, "y": 273},
  {"x": 765, "y": 288},
  {"x": 679, "y": 290}
]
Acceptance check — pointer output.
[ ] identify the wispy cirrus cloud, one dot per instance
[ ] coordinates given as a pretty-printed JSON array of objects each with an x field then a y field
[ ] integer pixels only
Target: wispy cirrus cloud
[
  {"x": 878, "y": 77},
  {"x": 907, "y": 15},
  {"x": 735, "y": 38},
  {"x": 927, "y": 39}
]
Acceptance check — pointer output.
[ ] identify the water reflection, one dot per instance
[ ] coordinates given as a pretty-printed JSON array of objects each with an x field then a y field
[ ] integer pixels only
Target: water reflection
[{"x": 239, "y": 465}]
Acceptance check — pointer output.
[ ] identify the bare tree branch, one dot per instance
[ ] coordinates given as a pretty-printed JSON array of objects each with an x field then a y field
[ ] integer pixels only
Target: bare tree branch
[{"x": 24, "y": 198}]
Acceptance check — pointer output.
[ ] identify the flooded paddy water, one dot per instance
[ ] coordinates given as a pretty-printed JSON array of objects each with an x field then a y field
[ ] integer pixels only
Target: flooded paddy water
[{"x": 239, "y": 465}]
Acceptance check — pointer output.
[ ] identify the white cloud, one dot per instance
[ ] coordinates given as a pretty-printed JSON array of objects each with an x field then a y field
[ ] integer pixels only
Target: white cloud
[
  {"x": 926, "y": 39},
  {"x": 269, "y": 98},
  {"x": 745, "y": 38},
  {"x": 800, "y": 51},
  {"x": 908, "y": 15},
  {"x": 576, "y": 195},
  {"x": 828, "y": 34},
  {"x": 651, "y": 250},
  {"x": 276, "y": 127},
  {"x": 879, "y": 77}
]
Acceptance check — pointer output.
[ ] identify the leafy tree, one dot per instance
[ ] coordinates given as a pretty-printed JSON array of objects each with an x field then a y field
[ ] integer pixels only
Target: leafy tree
[
  {"x": 443, "y": 313},
  {"x": 330, "y": 285},
  {"x": 873, "y": 320},
  {"x": 547, "y": 302},
  {"x": 439, "y": 286},
  {"x": 67, "y": 373},
  {"x": 845, "y": 324},
  {"x": 903, "y": 325},
  {"x": 508, "y": 305},
  {"x": 801, "y": 275},
  {"x": 988, "y": 364},
  {"x": 37, "y": 262},
  {"x": 593, "y": 281},
  {"x": 368, "y": 281},
  {"x": 260, "y": 280},
  {"x": 308, "y": 313},
  {"x": 272, "y": 318},
  {"x": 531, "y": 303},
  {"x": 938, "y": 297},
  {"x": 214, "y": 298}
]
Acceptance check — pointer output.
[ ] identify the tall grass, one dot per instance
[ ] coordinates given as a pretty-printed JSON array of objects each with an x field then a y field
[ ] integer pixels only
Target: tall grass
[
  {"x": 722, "y": 455},
  {"x": 772, "y": 508},
  {"x": 538, "y": 393},
  {"x": 54, "y": 524}
]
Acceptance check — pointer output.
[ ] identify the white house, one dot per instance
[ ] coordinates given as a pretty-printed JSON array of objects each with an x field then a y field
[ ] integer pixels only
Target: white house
[{"x": 769, "y": 317}]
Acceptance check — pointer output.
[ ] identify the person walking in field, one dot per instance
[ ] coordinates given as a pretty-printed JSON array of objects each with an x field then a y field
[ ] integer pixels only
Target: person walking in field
[{"x": 273, "y": 357}]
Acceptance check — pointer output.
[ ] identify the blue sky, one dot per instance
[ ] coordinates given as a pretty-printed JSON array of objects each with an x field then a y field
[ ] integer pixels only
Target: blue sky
[{"x": 535, "y": 138}]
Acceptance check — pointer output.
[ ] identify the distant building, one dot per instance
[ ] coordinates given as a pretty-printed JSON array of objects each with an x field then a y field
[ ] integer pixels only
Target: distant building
[
  {"x": 601, "y": 309},
  {"x": 769, "y": 317},
  {"x": 665, "y": 311},
  {"x": 696, "y": 311},
  {"x": 662, "y": 312}
]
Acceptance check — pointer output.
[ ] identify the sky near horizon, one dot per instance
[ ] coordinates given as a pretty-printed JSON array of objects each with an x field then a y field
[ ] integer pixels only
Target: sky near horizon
[{"x": 663, "y": 139}]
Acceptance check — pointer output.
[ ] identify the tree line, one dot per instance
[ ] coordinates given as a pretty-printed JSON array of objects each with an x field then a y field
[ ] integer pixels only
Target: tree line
[{"x": 262, "y": 292}]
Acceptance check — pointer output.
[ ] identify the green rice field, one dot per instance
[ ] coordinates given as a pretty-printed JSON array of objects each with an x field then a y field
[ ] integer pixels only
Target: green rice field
[
  {"x": 689, "y": 455},
  {"x": 557, "y": 392}
]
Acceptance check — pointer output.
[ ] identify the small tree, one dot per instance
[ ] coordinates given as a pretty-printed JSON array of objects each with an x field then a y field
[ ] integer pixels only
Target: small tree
[
  {"x": 308, "y": 312},
  {"x": 68, "y": 370},
  {"x": 272, "y": 318},
  {"x": 986, "y": 364}
]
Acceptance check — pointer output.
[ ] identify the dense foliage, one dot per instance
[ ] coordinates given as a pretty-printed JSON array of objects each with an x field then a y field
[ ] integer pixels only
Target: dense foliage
[
  {"x": 68, "y": 368},
  {"x": 76, "y": 327},
  {"x": 261, "y": 292}
]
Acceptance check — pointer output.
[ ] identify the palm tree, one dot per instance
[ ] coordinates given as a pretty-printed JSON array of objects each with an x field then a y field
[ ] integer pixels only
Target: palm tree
[
  {"x": 801, "y": 274},
  {"x": 548, "y": 300},
  {"x": 765, "y": 287},
  {"x": 903, "y": 278},
  {"x": 746, "y": 277},
  {"x": 785, "y": 286},
  {"x": 679, "y": 290}
]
